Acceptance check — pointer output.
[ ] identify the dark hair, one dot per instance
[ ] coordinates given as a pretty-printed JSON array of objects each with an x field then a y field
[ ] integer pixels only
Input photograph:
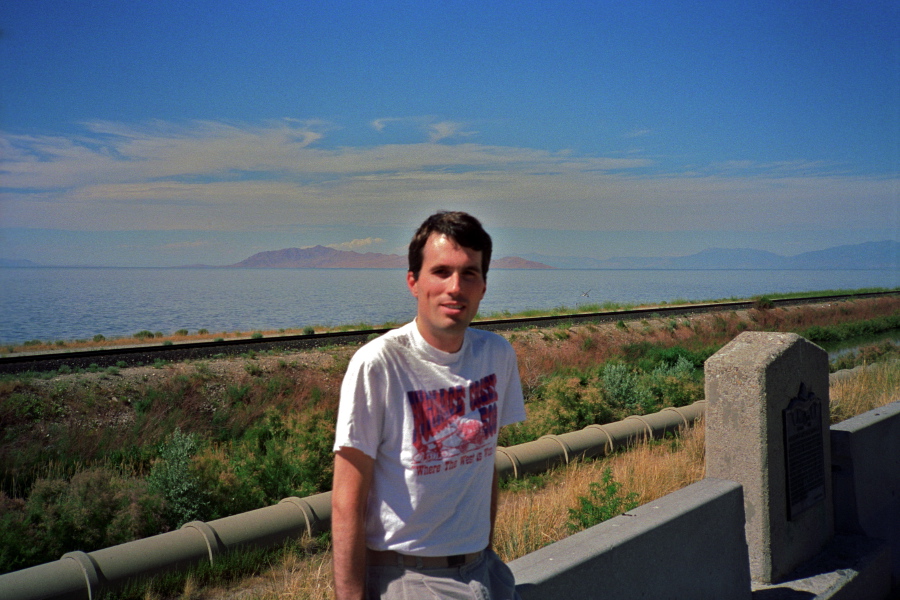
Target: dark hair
[{"x": 461, "y": 227}]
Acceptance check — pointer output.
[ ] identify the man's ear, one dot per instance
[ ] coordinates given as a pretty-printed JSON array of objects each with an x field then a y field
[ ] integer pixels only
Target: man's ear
[{"x": 412, "y": 283}]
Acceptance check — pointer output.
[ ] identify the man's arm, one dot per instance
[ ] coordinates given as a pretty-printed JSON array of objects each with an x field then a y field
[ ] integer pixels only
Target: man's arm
[{"x": 352, "y": 481}]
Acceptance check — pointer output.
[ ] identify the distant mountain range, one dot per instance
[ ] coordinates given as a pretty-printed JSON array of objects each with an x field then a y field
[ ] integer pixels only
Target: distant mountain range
[
  {"x": 869, "y": 255},
  {"x": 17, "y": 262},
  {"x": 320, "y": 257}
]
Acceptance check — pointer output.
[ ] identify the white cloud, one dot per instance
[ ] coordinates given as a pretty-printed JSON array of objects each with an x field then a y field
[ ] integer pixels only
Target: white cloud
[
  {"x": 355, "y": 244},
  {"x": 225, "y": 176},
  {"x": 447, "y": 129}
]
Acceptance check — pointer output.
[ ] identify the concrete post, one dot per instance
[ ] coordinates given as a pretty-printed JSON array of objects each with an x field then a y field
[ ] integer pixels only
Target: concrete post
[{"x": 767, "y": 424}]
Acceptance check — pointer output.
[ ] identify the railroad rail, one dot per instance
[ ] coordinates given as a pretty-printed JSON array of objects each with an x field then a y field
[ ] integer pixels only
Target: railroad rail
[{"x": 176, "y": 351}]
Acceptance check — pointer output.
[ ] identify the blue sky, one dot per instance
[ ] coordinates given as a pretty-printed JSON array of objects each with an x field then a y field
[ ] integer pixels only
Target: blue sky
[{"x": 170, "y": 133}]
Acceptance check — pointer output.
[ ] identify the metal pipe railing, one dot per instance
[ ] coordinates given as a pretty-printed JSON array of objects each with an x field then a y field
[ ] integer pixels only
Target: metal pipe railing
[{"x": 80, "y": 575}]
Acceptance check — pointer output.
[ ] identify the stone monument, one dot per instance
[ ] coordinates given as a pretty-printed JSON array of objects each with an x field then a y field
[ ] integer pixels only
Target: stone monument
[{"x": 767, "y": 427}]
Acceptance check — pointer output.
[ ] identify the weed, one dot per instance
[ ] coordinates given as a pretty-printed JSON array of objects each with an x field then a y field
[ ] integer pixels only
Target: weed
[
  {"x": 253, "y": 369},
  {"x": 604, "y": 501},
  {"x": 238, "y": 393}
]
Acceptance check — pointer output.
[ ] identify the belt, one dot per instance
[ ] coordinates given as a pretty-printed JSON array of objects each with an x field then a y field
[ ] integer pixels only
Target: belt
[{"x": 389, "y": 558}]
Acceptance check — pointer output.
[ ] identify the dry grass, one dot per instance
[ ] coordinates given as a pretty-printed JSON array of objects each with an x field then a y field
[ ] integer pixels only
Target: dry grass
[
  {"x": 307, "y": 577},
  {"x": 530, "y": 519},
  {"x": 869, "y": 387}
]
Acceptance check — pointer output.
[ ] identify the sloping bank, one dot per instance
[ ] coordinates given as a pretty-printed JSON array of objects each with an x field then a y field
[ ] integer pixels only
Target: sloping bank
[{"x": 79, "y": 575}]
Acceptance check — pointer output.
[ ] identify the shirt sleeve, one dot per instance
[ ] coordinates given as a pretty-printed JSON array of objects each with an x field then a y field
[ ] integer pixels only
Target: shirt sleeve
[
  {"x": 361, "y": 410},
  {"x": 513, "y": 406}
]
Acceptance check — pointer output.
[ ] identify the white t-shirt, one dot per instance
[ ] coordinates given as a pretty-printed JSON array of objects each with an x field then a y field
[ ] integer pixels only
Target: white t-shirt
[{"x": 430, "y": 420}]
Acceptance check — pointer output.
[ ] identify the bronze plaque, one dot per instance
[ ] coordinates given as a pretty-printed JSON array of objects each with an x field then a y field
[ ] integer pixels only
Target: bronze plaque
[{"x": 804, "y": 452}]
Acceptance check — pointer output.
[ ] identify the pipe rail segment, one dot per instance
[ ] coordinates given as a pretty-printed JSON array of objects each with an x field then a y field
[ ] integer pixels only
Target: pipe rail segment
[
  {"x": 148, "y": 353},
  {"x": 84, "y": 575}
]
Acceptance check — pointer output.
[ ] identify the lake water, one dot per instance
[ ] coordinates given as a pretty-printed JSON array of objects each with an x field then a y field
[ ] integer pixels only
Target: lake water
[{"x": 77, "y": 303}]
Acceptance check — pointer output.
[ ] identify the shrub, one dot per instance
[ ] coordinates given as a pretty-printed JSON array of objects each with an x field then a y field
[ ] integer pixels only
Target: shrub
[
  {"x": 99, "y": 338},
  {"x": 143, "y": 334},
  {"x": 171, "y": 477},
  {"x": 623, "y": 388},
  {"x": 605, "y": 501},
  {"x": 181, "y": 332},
  {"x": 253, "y": 369},
  {"x": 273, "y": 460},
  {"x": 675, "y": 385},
  {"x": 96, "y": 508},
  {"x": 763, "y": 303},
  {"x": 308, "y": 331}
]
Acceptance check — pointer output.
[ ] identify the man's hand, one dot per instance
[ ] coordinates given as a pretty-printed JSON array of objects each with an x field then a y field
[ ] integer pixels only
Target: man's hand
[{"x": 350, "y": 491}]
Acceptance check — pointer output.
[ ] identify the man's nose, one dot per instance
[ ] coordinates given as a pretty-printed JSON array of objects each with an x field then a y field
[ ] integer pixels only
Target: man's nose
[{"x": 453, "y": 283}]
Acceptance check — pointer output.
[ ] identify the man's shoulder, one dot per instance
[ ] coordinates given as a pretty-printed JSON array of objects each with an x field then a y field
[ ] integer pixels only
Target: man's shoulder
[
  {"x": 385, "y": 343},
  {"x": 489, "y": 339}
]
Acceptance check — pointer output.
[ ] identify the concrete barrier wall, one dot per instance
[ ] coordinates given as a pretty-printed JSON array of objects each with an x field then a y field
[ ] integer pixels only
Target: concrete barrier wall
[
  {"x": 688, "y": 544},
  {"x": 865, "y": 455}
]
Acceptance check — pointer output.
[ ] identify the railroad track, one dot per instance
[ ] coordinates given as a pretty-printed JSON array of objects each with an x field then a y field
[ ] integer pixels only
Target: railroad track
[{"x": 151, "y": 353}]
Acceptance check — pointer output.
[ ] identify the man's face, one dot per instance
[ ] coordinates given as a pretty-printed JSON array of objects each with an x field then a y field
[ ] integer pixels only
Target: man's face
[{"x": 449, "y": 288}]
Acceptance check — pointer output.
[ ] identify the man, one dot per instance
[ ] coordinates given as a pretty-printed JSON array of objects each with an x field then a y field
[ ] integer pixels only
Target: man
[{"x": 414, "y": 497}]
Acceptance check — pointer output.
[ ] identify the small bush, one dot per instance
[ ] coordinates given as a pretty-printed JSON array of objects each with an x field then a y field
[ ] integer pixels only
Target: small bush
[
  {"x": 171, "y": 478},
  {"x": 623, "y": 387},
  {"x": 143, "y": 334},
  {"x": 181, "y": 332},
  {"x": 308, "y": 331},
  {"x": 96, "y": 508},
  {"x": 605, "y": 501},
  {"x": 253, "y": 369},
  {"x": 99, "y": 338},
  {"x": 763, "y": 303}
]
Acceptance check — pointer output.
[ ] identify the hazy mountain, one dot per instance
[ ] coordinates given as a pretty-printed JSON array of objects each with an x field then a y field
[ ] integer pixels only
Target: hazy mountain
[
  {"x": 16, "y": 262},
  {"x": 320, "y": 257},
  {"x": 869, "y": 255}
]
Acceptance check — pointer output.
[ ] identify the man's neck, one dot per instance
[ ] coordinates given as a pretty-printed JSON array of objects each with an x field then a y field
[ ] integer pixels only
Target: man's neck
[{"x": 450, "y": 343}]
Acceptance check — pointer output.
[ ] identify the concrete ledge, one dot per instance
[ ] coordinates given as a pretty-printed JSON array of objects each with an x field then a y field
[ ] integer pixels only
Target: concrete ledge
[
  {"x": 850, "y": 568},
  {"x": 696, "y": 532}
]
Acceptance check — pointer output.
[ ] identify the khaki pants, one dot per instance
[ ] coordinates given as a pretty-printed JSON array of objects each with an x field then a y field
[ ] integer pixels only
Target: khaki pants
[{"x": 486, "y": 578}]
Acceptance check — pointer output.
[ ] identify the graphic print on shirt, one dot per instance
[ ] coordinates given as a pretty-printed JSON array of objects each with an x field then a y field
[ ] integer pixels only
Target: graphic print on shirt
[{"x": 453, "y": 426}]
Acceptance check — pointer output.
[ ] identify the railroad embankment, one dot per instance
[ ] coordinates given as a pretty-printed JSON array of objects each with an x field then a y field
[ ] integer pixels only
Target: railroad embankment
[{"x": 95, "y": 457}]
